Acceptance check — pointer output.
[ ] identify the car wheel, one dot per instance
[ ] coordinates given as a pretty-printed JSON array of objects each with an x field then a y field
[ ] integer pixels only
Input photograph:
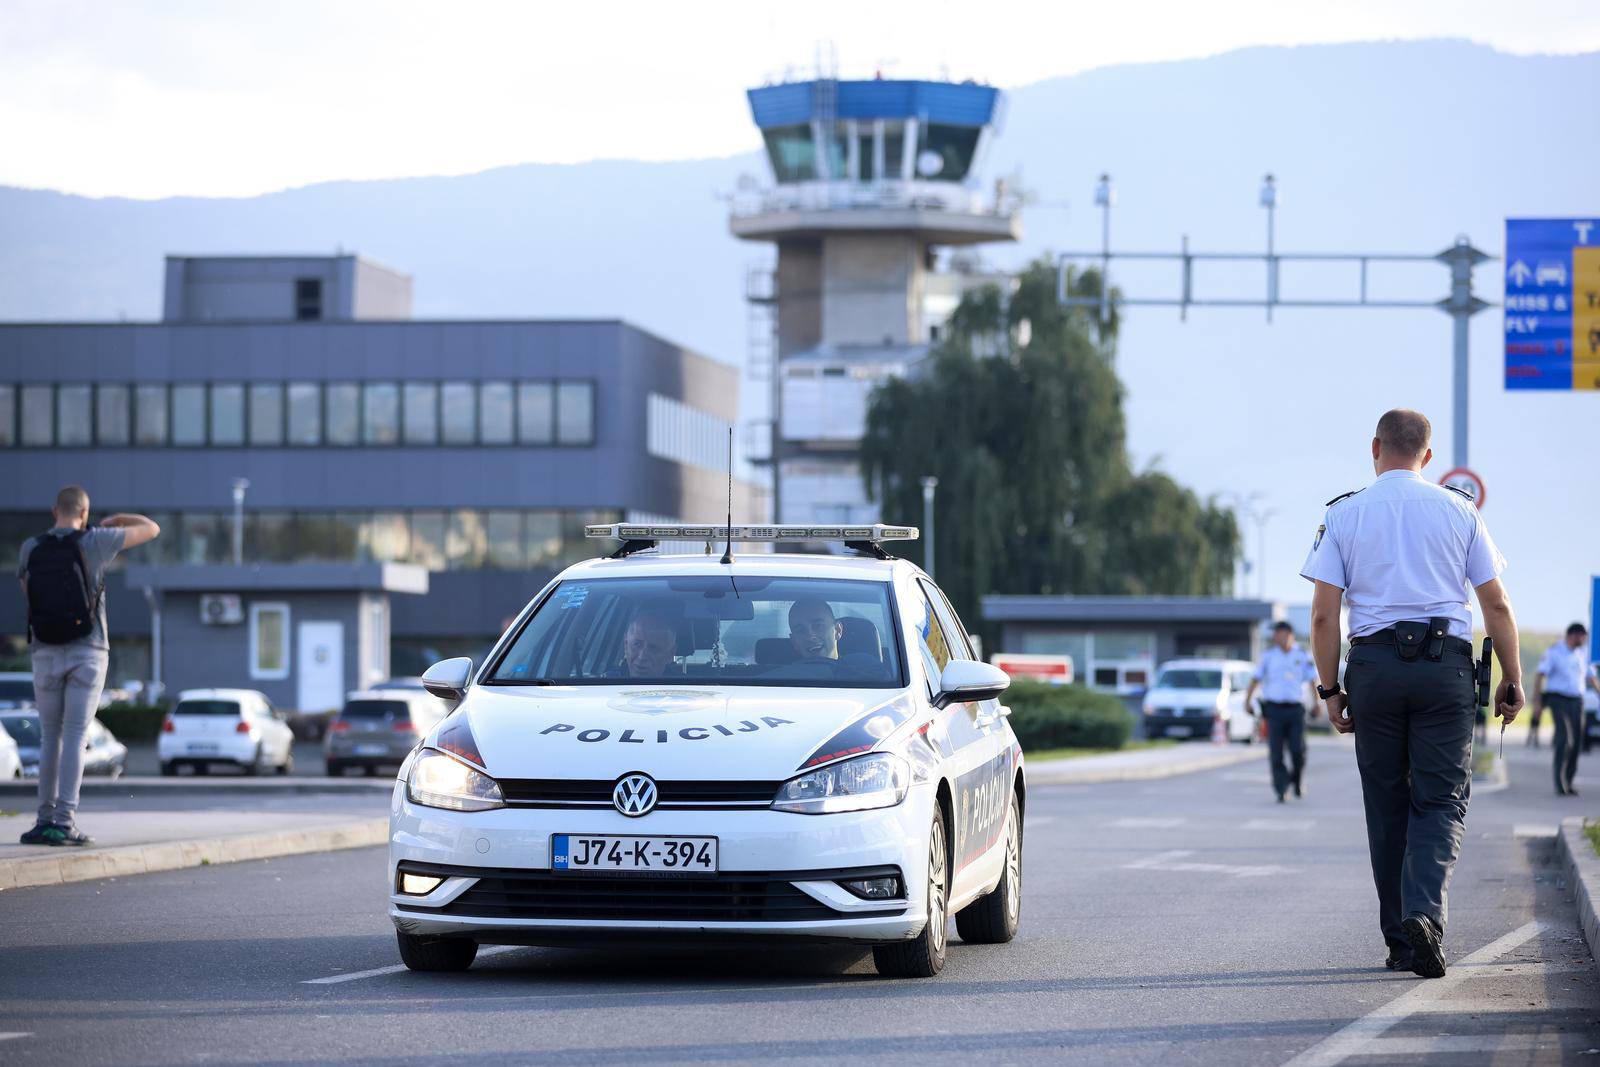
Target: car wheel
[
  {"x": 287, "y": 766},
  {"x": 370, "y": 770},
  {"x": 202, "y": 768},
  {"x": 334, "y": 769},
  {"x": 923, "y": 957},
  {"x": 436, "y": 953},
  {"x": 992, "y": 918},
  {"x": 254, "y": 767},
  {"x": 168, "y": 769}
]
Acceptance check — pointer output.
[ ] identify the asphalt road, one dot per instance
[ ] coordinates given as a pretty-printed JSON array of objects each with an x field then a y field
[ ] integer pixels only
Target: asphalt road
[{"x": 1190, "y": 917}]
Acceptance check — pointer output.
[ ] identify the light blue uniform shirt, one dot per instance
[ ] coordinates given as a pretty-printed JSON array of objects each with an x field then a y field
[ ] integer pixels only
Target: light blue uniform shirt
[
  {"x": 1563, "y": 669},
  {"x": 1283, "y": 675},
  {"x": 1404, "y": 549}
]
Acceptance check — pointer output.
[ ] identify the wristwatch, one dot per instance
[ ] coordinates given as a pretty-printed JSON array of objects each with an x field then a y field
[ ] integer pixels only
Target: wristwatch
[{"x": 1324, "y": 694}]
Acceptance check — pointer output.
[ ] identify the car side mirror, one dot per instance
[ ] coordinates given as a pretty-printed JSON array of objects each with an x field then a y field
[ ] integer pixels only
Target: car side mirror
[
  {"x": 448, "y": 679},
  {"x": 966, "y": 680}
]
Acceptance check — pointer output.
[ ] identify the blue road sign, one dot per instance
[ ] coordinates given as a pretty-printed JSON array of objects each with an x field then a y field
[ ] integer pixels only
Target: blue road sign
[
  {"x": 1594, "y": 621},
  {"x": 1552, "y": 315}
]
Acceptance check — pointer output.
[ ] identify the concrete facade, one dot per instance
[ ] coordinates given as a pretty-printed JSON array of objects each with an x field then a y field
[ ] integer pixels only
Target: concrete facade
[{"x": 263, "y": 289}]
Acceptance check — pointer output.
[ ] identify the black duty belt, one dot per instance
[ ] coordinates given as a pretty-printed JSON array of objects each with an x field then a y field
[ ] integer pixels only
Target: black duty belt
[{"x": 1389, "y": 637}]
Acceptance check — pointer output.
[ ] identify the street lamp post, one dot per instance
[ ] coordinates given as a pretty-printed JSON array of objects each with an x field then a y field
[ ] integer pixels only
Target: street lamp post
[
  {"x": 1104, "y": 197},
  {"x": 929, "y": 484},
  {"x": 1269, "y": 200},
  {"x": 239, "y": 486}
]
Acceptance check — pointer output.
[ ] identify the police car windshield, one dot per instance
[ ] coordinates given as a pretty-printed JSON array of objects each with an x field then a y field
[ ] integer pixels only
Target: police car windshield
[
  {"x": 1189, "y": 678},
  {"x": 721, "y": 630}
]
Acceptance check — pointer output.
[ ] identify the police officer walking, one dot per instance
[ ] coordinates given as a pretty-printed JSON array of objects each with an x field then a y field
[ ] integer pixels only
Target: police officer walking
[
  {"x": 1401, "y": 553},
  {"x": 1284, "y": 673},
  {"x": 1559, "y": 683}
]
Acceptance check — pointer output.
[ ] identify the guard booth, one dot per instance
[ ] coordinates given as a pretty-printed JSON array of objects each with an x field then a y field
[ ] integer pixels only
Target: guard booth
[{"x": 304, "y": 634}]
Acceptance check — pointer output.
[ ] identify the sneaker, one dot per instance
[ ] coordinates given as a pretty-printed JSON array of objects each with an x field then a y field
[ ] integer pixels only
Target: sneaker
[
  {"x": 69, "y": 835},
  {"x": 1427, "y": 954},
  {"x": 1399, "y": 959},
  {"x": 39, "y": 835}
]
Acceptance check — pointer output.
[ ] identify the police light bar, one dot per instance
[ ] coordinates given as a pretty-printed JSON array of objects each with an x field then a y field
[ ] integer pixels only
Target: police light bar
[{"x": 622, "y": 531}]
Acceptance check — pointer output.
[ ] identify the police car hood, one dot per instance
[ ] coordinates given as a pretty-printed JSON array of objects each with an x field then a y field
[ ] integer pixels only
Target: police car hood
[
  {"x": 675, "y": 733},
  {"x": 1189, "y": 698}
]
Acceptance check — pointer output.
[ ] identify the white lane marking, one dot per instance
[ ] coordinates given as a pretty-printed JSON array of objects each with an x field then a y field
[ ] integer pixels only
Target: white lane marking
[
  {"x": 1526, "y": 829},
  {"x": 1142, "y": 823},
  {"x": 23, "y": 1033},
  {"x": 1360, "y": 1036},
  {"x": 1388, "y": 1047},
  {"x": 1174, "y": 861},
  {"x": 354, "y": 976},
  {"x": 1278, "y": 824}
]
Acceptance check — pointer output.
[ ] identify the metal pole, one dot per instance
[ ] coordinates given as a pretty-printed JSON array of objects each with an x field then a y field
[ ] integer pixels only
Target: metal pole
[
  {"x": 1461, "y": 306},
  {"x": 929, "y": 484},
  {"x": 151, "y": 599},
  {"x": 1104, "y": 196},
  {"x": 239, "y": 486},
  {"x": 1269, "y": 200}
]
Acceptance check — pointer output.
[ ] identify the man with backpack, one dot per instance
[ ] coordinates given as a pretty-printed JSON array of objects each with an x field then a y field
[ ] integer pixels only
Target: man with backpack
[{"x": 63, "y": 574}]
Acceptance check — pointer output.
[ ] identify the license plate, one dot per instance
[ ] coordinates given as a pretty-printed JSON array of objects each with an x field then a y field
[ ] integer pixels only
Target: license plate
[
  {"x": 202, "y": 746},
  {"x": 1179, "y": 731},
  {"x": 657, "y": 855},
  {"x": 371, "y": 750}
]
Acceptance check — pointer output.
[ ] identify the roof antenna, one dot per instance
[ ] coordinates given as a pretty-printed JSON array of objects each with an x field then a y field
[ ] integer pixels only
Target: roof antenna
[{"x": 727, "y": 553}]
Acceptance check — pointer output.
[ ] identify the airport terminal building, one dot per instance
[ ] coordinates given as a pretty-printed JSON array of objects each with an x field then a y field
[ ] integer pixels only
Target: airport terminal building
[{"x": 476, "y": 450}]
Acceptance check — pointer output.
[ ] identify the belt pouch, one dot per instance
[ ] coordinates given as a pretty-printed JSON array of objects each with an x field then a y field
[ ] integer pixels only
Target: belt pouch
[
  {"x": 1409, "y": 638},
  {"x": 1438, "y": 627}
]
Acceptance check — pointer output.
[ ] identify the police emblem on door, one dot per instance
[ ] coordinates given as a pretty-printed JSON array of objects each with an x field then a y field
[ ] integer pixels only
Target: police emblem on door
[{"x": 634, "y": 795}]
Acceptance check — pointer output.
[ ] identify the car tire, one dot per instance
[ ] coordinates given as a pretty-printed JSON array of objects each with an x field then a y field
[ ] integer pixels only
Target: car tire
[
  {"x": 287, "y": 766},
  {"x": 436, "y": 953},
  {"x": 333, "y": 768},
  {"x": 992, "y": 919},
  {"x": 923, "y": 956},
  {"x": 169, "y": 769},
  {"x": 254, "y": 767},
  {"x": 202, "y": 768}
]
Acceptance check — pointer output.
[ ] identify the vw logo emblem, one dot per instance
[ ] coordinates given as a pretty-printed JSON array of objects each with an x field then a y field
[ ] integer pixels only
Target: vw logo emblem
[{"x": 634, "y": 795}]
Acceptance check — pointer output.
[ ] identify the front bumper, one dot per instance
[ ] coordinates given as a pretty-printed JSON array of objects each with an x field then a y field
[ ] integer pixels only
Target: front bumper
[
  {"x": 228, "y": 748},
  {"x": 1159, "y": 725},
  {"x": 793, "y": 860}
]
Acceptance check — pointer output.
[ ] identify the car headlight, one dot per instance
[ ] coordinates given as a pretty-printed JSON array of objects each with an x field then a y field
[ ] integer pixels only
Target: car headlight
[
  {"x": 1149, "y": 707},
  {"x": 877, "y": 780},
  {"x": 440, "y": 781}
]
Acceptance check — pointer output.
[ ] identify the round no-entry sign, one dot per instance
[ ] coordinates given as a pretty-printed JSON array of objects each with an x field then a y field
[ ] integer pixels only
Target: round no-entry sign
[{"x": 1467, "y": 481}]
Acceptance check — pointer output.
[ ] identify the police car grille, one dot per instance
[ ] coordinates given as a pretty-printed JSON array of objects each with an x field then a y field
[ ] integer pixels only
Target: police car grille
[
  {"x": 579, "y": 793},
  {"x": 745, "y": 898}
]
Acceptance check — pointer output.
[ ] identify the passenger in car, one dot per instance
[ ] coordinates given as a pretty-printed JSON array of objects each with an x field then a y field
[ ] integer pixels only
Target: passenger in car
[
  {"x": 813, "y": 629},
  {"x": 648, "y": 645}
]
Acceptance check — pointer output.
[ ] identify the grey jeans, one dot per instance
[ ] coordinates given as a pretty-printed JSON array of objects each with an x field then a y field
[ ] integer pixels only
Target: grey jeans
[{"x": 67, "y": 680}]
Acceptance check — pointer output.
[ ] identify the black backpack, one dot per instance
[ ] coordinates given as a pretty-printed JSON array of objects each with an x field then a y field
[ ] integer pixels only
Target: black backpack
[{"x": 62, "y": 597}]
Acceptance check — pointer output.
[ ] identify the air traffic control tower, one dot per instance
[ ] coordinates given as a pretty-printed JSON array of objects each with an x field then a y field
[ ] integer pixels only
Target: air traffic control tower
[{"x": 869, "y": 180}]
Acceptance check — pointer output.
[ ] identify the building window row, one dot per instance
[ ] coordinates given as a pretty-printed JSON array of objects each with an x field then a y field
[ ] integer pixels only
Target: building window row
[
  {"x": 436, "y": 538},
  {"x": 297, "y": 414},
  {"x": 684, "y": 434}
]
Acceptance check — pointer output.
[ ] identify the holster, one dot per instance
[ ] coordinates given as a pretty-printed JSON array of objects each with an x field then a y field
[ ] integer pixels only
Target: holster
[
  {"x": 1438, "y": 629},
  {"x": 1409, "y": 639}
]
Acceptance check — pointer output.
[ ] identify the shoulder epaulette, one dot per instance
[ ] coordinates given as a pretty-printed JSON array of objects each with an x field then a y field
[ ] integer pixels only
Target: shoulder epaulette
[
  {"x": 1340, "y": 497},
  {"x": 1463, "y": 492}
]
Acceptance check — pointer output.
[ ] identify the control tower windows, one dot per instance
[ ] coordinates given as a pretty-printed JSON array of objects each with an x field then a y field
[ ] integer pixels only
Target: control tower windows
[
  {"x": 894, "y": 150},
  {"x": 944, "y": 153},
  {"x": 792, "y": 152}
]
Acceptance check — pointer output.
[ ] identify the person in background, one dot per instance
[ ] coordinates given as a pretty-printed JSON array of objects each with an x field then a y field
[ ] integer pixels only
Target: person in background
[
  {"x": 1284, "y": 674},
  {"x": 1559, "y": 682},
  {"x": 63, "y": 576}
]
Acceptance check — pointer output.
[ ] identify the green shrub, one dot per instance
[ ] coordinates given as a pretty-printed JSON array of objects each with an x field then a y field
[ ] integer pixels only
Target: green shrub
[
  {"x": 132, "y": 722},
  {"x": 1065, "y": 716}
]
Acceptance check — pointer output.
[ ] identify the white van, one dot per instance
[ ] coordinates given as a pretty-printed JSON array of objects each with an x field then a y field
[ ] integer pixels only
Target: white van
[
  {"x": 1191, "y": 694},
  {"x": 238, "y": 727}
]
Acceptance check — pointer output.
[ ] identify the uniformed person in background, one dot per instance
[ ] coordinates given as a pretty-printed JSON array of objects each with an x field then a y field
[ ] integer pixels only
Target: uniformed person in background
[
  {"x": 1401, "y": 553},
  {"x": 1559, "y": 683},
  {"x": 1284, "y": 674}
]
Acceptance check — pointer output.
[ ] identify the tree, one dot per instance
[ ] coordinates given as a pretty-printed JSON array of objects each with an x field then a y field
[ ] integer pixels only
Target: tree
[{"x": 1018, "y": 413}]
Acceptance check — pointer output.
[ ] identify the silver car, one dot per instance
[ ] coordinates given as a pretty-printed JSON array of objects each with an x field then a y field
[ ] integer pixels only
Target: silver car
[
  {"x": 379, "y": 728},
  {"x": 103, "y": 754}
]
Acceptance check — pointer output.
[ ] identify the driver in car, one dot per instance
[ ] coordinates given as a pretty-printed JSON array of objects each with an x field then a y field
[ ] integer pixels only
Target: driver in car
[
  {"x": 648, "y": 646},
  {"x": 813, "y": 630}
]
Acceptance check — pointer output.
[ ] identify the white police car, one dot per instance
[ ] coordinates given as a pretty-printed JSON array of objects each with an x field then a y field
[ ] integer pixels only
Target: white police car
[{"x": 673, "y": 748}]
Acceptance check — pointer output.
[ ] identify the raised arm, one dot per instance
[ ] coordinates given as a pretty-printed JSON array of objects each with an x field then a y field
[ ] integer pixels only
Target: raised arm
[
  {"x": 136, "y": 529},
  {"x": 1500, "y": 624}
]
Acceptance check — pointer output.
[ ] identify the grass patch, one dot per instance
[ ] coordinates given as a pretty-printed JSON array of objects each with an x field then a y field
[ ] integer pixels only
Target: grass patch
[
  {"x": 1482, "y": 761},
  {"x": 1075, "y": 753},
  {"x": 1591, "y": 830},
  {"x": 4, "y": 814}
]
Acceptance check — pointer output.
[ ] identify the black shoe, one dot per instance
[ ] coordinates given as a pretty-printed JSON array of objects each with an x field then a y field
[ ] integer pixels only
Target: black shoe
[
  {"x": 1399, "y": 959},
  {"x": 1280, "y": 798},
  {"x": 1427, "y": 954},
  {"x": 1571, "y": 792},
  {"x": 1299, "y": 790},
  {"x": 39, "y": 835}
]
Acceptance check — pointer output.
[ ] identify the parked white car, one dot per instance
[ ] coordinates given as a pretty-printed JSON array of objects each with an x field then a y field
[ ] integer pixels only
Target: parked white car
[
  {"x": 10, "y": 757},
  {"x": 780, "y": 747},
  {"x": 1190, "y": 695},
  {"x": 237, "y": 727}
]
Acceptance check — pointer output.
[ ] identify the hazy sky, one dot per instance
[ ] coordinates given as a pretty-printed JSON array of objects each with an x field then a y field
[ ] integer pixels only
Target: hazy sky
[{"x": 152, "y": 98}]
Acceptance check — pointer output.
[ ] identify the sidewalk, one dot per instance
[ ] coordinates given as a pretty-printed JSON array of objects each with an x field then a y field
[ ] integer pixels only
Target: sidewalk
[
  {"x": 1143, "y": 764},
  {"x": 139, "y": 842}
]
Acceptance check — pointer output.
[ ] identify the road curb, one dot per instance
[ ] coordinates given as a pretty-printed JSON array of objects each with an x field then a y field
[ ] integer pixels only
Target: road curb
[
  {"x": 192, "y": 786},
  {"x": 1583, "y": 875},
  {"x": 82, "y": 866},
  {"x": 1498, "y": 778},
  {"x": 1073, "y": 772}
]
